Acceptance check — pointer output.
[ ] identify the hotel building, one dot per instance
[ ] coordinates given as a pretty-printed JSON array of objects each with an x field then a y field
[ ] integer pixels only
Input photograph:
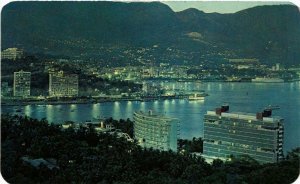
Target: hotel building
[
  {"x": 12, "y": 53},
  {"x": 156, "y": 131},
  {"x": 236, "y": 133},
  {"x": 62, "y": 84},
  {"x": 5, "y": 90},
  {"x": 22, "y": 82}
]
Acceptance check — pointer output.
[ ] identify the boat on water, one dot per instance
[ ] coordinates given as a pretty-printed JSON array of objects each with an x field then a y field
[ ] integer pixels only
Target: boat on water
[
  {"x": 189, "y": 80},
  {"x": 19, "y": 110},
  {"x": 198, "y": 92},
  {"x": 196, "y": 96},
  {"x": 273, "y": 107},
  {"x": 267, "y": 80},
  {"x": 233, "y": 79}
]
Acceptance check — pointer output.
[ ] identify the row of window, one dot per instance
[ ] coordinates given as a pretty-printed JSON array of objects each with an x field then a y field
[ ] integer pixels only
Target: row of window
[
  {"x": 239, "y": 134},
  {"x": 247, "y": 141},
  {"x": 240, "y": 151},
  {"x": 249, "y": 131}
]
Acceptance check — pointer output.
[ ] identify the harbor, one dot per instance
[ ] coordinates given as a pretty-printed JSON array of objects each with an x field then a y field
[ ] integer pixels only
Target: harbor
[
  {"x": 189, "y": 112},
  {"x": 23, "y": 102}
]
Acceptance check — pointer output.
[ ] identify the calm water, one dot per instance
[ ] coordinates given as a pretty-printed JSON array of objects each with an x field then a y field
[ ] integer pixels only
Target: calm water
[{"x": 243, "y": 97}]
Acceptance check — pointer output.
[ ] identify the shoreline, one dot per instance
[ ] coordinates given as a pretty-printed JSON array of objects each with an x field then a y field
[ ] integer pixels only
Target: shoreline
[
  {"x": 24, "y": 102},
  {"x": 90, "y": 101},
  {"x": 217, "y": 80}
]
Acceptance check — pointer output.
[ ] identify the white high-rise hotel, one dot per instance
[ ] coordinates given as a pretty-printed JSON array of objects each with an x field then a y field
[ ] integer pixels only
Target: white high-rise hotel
[
  {"x": 12, "y": 53},
  {"x": 156, "y": 131},
  {"x": 22, "y": 82}
]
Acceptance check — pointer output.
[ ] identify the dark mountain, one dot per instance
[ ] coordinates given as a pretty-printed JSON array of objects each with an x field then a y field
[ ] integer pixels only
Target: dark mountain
[
  {"x": 271, "y": 33},
  {"x": 266, "y": 32},
  {"x": 100, "y": 21}
]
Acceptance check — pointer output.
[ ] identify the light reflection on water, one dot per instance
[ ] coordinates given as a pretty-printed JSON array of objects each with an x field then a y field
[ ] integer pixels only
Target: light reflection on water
[{"x": 243, "y": 97}]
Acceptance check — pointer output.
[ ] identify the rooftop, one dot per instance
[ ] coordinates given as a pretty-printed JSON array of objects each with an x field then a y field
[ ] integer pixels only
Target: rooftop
[
  {"x": 50, "y": 163},
  {"x": 151, "y": 114},
  {"x": 245, "y": 116}
]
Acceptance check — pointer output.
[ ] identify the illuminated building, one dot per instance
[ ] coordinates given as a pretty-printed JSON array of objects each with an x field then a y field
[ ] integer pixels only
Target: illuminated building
[
  {"x": 22, "y": 82},
  {"x": 12, "y": 53},
  {"x": 277, "y": 66},
  {"x": 62, "y": 84},
  {"x": 258, "y": 135},
  {"x": 156, "y": 131},
  {"x": 5, "y": 90}
]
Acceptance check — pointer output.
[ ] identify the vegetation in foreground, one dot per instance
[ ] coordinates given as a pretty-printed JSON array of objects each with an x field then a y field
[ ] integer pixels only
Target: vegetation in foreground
[{"x": 33, "y": 151}]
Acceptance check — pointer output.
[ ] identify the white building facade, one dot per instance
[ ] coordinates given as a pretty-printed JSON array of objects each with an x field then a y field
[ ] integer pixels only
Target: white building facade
[
  {"x": 235, "y": 134},
  {"x": 12, "y": 53},
  {"x": 62, "y": 84},
  {"x": 22, "y": 81},
  {"x": 156, "y": 131}
]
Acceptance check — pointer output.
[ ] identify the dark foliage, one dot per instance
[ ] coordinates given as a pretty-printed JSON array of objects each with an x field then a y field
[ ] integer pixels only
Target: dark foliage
[
  {"x": 125, "y": 126},
  {"x": 86, "y": 157},
  {"x": 194, "y": 145}
]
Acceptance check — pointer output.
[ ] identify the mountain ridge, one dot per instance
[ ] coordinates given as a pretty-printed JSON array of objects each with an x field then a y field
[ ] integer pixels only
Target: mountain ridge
[{"x": 270, "y": 33}]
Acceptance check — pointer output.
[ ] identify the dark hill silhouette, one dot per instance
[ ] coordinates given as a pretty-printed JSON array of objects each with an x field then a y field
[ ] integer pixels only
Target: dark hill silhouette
[{"x": 271, "y": 33}]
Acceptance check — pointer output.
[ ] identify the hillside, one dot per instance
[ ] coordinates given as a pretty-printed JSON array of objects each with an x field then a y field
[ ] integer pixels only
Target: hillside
[{"x": 270, "y": 33}]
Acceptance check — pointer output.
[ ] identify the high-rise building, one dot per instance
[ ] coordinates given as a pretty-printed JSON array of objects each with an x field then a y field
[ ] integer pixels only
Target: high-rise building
[
  {"x": 62, "y": 84},
  {"x": 277, "y": 66},
  {"x": 12, "y": 53},
  {"x": 22, "y": 82},
  {"x": 5, "y": 90},
  {"x": 156, "y": 131},
  {"x": 258, "y": 135}
]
